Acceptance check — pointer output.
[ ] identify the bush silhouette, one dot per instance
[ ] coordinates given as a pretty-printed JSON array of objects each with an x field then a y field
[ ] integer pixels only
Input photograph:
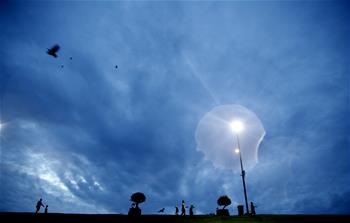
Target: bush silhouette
[
  {"x": 224, "y": 201},
  {"x": 138, "y": 198}
]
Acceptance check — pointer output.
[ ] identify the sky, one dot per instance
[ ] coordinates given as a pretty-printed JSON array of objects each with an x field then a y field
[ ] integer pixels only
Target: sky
[{"x": 87, "y": 135}]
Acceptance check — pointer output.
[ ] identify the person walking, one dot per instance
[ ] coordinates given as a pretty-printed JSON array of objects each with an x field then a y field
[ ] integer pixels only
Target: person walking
[
  {"x": 183, "y": 208},
  {"x": 191, "y": 210},
  {"x": 38, "y": 205},
  {"x": 252, "y": 208},
  {"x": 46, "y": 209}
]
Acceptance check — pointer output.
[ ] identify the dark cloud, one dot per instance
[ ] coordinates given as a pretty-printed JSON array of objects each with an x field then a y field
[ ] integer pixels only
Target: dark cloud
[{"x": 87, "y": 136}]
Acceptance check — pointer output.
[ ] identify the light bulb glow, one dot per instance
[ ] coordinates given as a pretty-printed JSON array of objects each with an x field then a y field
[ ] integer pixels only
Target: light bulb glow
[{"x": 237, "y": 126}]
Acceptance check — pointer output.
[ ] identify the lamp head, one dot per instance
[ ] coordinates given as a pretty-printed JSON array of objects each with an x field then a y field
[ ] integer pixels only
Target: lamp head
[
  {"x": 237, "y": 151},
  {"x": 236, "y": 126}
]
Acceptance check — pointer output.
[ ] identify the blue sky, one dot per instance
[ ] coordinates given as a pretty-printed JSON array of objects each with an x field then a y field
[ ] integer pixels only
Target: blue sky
[{"x": 86, "y": 136}]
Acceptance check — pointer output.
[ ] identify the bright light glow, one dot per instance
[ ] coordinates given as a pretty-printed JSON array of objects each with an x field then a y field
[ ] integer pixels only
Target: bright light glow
[
  {"x": 216, "y": 140},
  {"x": 237, "y": 151},
  {"x": 236, "y": 126}
]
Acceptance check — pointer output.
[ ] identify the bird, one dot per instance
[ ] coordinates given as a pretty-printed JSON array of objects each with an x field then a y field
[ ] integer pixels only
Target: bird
[
  {"x": 161, "y": 210},
  {"x": 116, "y": 66},
  {"x": 62, "y": 66},
  {"x": 71, "y": 58},
  {"x": 53, "y": 50}
]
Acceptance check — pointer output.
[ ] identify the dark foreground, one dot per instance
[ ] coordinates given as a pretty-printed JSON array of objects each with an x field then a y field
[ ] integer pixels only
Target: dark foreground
[{"x": 104, "y": 218}]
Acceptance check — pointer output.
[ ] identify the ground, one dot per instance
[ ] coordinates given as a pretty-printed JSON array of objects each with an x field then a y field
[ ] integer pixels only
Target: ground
[{"x": 104, "y": 218}]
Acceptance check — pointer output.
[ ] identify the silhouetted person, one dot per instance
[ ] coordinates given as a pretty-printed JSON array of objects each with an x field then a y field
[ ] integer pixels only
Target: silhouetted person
[
  {"x": 132, "y": 209},
  {"x": 252, "y": 208},
  {"x": 161, "y": 210},
  {"x": 176, "y": 210},
  {"x": 47, "y": 206},
  {"x": 38, "y": 205},
  {"x": 53, "y": 50},
  {"x": 183, "y": 208},
  {"x": 191, "y": 210},
  {"x": 137, "y": 211}
]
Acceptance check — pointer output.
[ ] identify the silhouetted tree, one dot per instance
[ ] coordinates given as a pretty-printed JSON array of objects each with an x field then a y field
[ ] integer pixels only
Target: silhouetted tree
[
  {"x": 224, "y": 201},
  {"x": 138, "y": 198}
]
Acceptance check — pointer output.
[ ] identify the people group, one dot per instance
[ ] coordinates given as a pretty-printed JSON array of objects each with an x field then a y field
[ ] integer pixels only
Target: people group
[
  {"x": 136, "y": 211},
  {"x": 183, "y": 209}
]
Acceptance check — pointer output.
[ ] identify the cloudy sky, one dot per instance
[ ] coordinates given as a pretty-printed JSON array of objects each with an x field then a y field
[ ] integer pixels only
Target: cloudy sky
[{"x": 85, "y": 136}]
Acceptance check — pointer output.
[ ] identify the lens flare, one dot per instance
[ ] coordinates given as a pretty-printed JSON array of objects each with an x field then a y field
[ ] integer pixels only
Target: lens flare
[
  {"x": 217, "y": 133},
  {"x": 236, "y": 126}
]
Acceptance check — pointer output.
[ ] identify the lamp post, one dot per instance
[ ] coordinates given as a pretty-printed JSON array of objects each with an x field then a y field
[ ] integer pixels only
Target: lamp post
[{"x": 237, "y": 127}]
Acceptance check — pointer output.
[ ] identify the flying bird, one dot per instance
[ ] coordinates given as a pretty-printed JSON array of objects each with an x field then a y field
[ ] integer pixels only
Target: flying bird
[
  {"x": 161, "y": 210},
  {"x": 53, "y": 50},
  {"x": 71, "y": 58},
  {"x": 116, "y": 66},
  {"x": 62, "y": 66}
]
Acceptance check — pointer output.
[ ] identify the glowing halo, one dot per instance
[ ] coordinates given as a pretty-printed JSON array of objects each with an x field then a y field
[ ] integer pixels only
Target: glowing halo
[{"x": 216, "y": 136}]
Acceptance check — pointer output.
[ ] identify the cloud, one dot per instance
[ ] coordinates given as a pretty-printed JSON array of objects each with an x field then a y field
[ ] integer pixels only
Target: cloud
[{"x": 87, "y": 136}]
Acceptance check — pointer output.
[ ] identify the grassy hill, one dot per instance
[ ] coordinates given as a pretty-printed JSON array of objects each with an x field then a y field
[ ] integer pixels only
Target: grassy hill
[{"x": 104, "y": 218}]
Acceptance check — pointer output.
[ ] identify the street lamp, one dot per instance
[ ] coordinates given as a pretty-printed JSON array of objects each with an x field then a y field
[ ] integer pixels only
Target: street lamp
[{"x": 238, "y": 127}]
